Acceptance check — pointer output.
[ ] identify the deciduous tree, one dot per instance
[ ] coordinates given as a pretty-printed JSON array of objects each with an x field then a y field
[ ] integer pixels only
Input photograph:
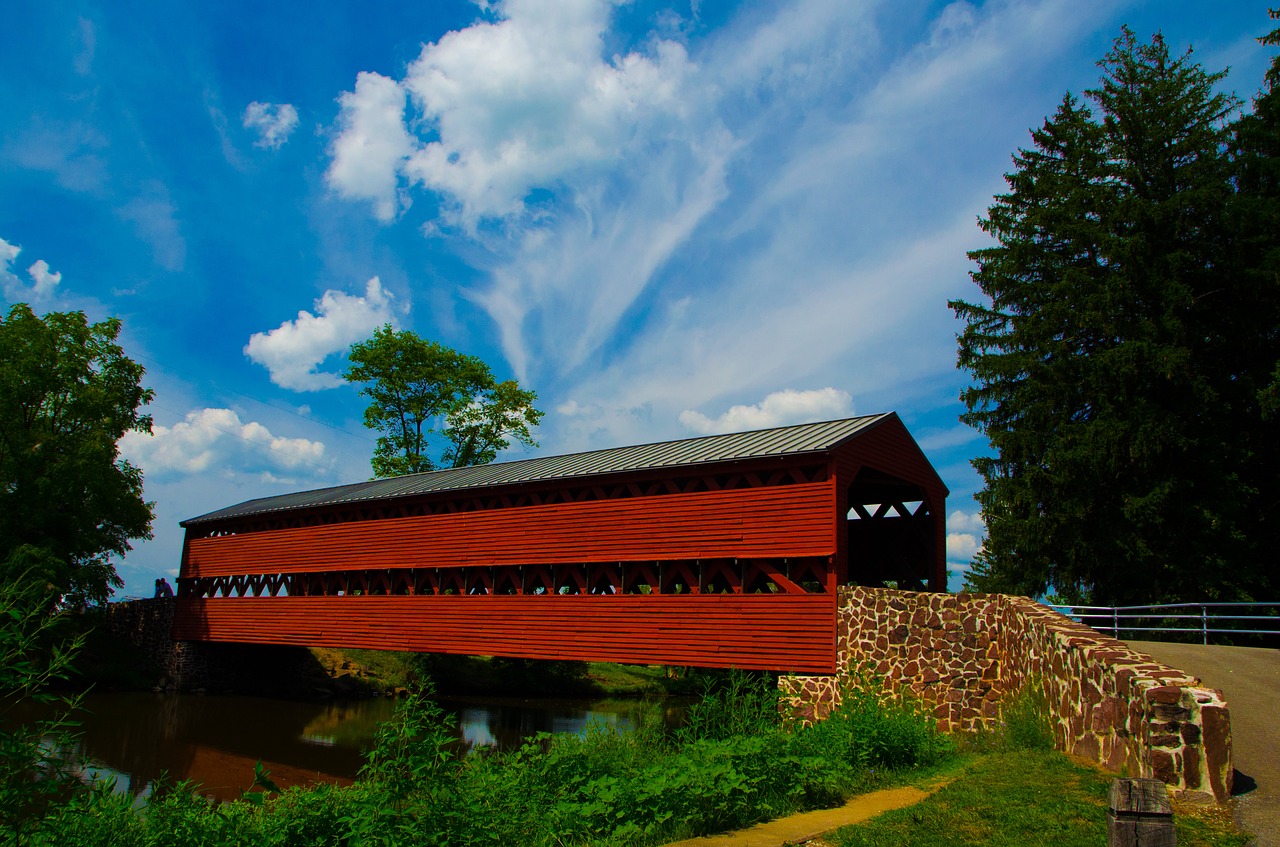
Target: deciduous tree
[
  {"x": 1119, "y": 355},
  {"x": 419, "y": 389},
  {"x": 68, "y": 502}
]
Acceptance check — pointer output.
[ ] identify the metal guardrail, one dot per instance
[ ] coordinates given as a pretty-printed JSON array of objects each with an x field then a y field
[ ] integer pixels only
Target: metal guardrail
[{"x": 1118, "y": 619}]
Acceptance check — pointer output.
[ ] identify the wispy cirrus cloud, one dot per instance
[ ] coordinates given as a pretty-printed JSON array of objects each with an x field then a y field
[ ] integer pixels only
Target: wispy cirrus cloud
[
  {"x": 294, "y": 351},
  {"x": 155, "y": 218},
  {"x": 788, "y": 200}
]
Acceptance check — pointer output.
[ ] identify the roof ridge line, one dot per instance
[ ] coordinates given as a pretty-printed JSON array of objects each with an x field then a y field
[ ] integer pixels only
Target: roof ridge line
[{"x": 579, "y": 465}]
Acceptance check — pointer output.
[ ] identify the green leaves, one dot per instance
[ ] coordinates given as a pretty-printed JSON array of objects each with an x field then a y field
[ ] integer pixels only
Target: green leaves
[
  {"x": 419, "y": 389},
  {"x": 67, "y": 395},
  {"x": 1121, "y": 346},
  {"x": 36, "y": 766}
]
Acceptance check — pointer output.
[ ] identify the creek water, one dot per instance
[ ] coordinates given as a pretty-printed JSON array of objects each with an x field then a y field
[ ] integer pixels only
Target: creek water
[{"x": 215, "y": 740}]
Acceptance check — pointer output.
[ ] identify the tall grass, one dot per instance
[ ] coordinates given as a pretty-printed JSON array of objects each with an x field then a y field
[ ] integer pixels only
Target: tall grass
[{"x": 1024, "y": 723}]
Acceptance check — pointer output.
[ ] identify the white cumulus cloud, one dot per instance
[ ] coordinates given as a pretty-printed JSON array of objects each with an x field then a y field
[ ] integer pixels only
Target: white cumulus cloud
[
  {"x": 8, "y": 254},
  {"x": 780, "y": 408},
  {"x": 217, "y": 440},
  {"x": 962, "y": 546},
  {"x": 971, "y": 521},
  {"x": 524, "y": 101},
  {"x": 293, "y": 351},
  {"x": 502, "y": 108},
  {"x": 274, "y": 122},
  {"x": 372, "y": 144},
  {"x": 44, "y": 282},
  {"x": 966, "y": 532}
]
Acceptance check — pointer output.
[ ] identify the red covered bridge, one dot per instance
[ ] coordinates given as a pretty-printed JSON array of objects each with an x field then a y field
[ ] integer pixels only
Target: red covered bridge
[{"x": 722, "y": 551}]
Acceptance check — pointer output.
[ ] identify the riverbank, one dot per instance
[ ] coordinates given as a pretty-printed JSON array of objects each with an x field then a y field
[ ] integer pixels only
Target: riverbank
[
  {"x": 383, "y": 672},
  {"x": 732, "y": 763}
]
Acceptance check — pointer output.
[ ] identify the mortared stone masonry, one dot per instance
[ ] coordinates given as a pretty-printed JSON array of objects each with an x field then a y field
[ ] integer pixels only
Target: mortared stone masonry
[{"x": 962, "y": 654}]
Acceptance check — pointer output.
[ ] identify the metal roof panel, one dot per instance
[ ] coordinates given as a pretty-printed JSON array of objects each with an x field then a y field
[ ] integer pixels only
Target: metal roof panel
[{"x": 704, "y": 450}]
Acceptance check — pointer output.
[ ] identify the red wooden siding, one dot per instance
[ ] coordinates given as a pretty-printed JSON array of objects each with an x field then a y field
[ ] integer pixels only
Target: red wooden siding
[
  {"x": 777, "y": 521},
  {"x": 889, "y": 448},
  {"x": 765, "y": 632}
]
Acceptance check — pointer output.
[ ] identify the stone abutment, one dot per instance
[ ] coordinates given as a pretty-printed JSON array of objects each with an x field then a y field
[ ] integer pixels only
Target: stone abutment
[
  {"x": 269, "y": 669},
  {"x": 964, "y": 655}
]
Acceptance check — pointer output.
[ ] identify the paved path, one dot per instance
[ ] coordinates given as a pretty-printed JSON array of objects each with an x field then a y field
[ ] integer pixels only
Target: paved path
[
  {"x": 1250, "y": 679},
  {"x": 798, "y": 829}
]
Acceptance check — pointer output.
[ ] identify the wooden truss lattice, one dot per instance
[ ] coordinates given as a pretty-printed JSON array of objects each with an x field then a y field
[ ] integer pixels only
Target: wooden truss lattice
[{"x": 718, "y": 576}]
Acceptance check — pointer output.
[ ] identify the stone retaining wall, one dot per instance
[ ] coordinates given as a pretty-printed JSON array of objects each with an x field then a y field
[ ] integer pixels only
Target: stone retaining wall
[
  {"x": 269, "y": 669},
  {"x": 146, "y": 624},
  {"x": 963, "y": 654}
]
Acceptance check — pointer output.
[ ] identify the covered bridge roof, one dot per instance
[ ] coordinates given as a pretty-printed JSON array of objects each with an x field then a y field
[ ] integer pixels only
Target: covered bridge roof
[{"x": 711, "y": 449}]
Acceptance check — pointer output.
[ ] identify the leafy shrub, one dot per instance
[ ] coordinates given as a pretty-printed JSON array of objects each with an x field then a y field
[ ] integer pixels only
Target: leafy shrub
[
  {"x": 1026, "y": 719},
  {"x": 36, "y": 772},
  {"x": 872, "y": 732}
]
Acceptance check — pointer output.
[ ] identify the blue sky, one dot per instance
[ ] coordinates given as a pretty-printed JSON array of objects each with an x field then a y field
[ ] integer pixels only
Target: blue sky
[{"x": 667, "y": 219}]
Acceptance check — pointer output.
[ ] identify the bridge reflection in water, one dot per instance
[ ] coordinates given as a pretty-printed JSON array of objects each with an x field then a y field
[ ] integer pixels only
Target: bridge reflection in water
[{"x": 215, "y": 741}]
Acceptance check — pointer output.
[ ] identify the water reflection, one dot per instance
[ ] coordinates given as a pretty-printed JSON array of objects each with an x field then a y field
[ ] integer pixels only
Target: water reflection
[
  {"x": 506, "y": 724},
  {"x": 215, "y": 741}
]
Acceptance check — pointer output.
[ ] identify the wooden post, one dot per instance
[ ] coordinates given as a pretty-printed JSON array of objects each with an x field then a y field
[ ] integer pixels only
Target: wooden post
[{"x": 1139, "y": 815}]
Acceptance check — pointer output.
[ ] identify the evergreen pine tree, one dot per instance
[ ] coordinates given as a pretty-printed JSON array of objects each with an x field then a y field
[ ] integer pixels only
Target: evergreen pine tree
[{"x": 1118, "y": 363}]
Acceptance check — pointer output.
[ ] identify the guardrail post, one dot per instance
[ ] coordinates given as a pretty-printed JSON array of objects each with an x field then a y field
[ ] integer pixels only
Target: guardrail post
[
  {"x": 1139, "y": 814},
  {"x": 1115, "y": 622},
  {"x": 1204, "y": 625}
]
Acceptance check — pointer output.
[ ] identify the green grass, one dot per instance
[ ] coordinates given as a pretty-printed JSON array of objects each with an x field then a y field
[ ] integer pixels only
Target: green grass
[
  {"x": 1020, "y": 798},
  {"x": 632, "y": 680},
  {"x": 379, "y": 670}
]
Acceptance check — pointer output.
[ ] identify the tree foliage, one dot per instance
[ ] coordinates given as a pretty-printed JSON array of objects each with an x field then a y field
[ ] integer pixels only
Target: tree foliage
[
  {"x": 419, "y": 389},
  {"x": 68, "y": 503},
  {"x": 1256, "y": 146},
  {"x": 35, "y": 769},
  {"x": 1130, "y": 328}
]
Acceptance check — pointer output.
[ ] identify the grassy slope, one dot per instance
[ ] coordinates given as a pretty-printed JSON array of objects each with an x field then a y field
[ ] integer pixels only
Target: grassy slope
[{"x": 1022, "y": 798}]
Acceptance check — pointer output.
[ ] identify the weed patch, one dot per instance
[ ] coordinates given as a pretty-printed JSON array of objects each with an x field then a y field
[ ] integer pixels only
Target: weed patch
[{"x": 1023, "y": 724}]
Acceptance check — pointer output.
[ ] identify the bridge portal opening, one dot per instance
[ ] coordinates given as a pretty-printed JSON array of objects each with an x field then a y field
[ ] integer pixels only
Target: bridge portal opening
[{"x": 892, "y": 537}]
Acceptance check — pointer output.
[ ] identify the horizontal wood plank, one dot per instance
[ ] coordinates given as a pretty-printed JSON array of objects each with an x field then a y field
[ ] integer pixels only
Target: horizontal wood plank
[
  {"x": 793, "y": 633},
  {"x": 793, "y": 520}
]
